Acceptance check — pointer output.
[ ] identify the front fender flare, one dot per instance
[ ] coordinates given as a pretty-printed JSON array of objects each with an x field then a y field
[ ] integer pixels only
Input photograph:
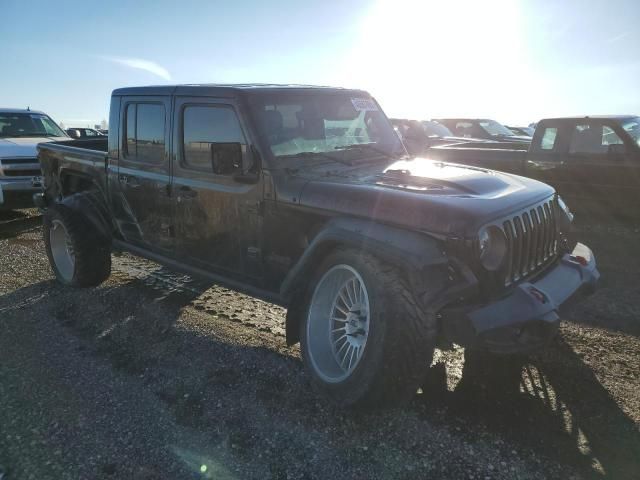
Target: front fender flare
[{"x": 411, "y": 251}]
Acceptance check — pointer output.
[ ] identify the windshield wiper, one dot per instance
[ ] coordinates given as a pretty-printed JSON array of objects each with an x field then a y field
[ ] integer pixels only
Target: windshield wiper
[
  {"x": 316, "y": 154},
  {"x": 368, "y": 146}
]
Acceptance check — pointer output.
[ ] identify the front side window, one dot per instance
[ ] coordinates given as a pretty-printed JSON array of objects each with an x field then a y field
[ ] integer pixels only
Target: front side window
[
  {"x": 203, "y": 129},
  {"x": 328, "y": 125},
  {"x": 145, "y": 132},
  {"x": 593, "y": 139}
]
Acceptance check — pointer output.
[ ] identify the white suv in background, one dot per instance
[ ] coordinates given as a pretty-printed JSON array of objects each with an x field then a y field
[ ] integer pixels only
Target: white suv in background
[{"x": 20, "y": 132}]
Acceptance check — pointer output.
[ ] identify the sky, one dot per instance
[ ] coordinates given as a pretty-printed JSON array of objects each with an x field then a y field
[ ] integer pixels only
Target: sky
[{"x": 515, "y": 61}]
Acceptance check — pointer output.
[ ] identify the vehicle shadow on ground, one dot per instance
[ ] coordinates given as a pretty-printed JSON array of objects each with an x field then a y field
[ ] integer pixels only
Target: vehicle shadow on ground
[
  {"x": 15, "y": 222},
  {"x": 552, "y": 403}
]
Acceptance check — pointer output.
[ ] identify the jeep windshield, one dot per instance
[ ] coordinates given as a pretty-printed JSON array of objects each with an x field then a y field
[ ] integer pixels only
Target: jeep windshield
[
  {"x": 343, "y": 127},
  {"x": 28, "y": 125},
  {"x": 632, "y": 126}
]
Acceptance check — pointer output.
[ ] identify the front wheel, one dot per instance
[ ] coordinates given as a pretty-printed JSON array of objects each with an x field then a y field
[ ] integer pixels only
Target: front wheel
[
  {"x": 365, "y": 339},
  {"x": 78, "y": 254}
]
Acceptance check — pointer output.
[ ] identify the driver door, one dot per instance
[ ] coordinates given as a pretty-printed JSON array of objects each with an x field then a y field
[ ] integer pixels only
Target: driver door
[{"x": 218, "y": 219}]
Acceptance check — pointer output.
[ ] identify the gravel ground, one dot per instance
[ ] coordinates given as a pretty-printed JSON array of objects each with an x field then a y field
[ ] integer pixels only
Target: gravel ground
[{"x": 158, "y": 376}]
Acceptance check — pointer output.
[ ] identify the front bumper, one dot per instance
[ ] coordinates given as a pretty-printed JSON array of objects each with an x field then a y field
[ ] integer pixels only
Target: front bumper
[
  {"x": 528, "y": 317},
  {"x": 17, "y": 192}
]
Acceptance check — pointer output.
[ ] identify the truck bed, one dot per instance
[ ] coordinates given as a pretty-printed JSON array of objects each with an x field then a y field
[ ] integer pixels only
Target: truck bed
[{"x": 86, "y": 158}]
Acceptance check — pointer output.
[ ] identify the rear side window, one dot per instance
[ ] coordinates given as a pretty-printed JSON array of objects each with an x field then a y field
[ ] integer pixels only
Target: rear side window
[
  {"x": 145, "y": 132},
  {"x": 204, "y": 126},
  {"x": 549, "y": 138}
]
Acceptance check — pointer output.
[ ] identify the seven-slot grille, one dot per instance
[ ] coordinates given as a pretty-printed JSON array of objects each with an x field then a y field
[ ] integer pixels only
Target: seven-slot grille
[
  {"x": 20, "y": 167},
  {"x": 531, "y": 240}
]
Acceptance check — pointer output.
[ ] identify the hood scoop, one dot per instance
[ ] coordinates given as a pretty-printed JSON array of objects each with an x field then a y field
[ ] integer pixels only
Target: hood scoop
[
  {"x": 401, "y": 178},
  {"x": 424, "y": 175}
]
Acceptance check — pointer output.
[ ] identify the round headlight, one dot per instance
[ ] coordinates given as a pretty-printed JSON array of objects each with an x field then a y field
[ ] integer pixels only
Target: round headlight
[{"x": 493, "y": 247}]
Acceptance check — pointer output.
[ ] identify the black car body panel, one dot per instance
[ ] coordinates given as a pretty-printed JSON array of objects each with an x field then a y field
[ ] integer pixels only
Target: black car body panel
[{"x": 260, "y": 221}]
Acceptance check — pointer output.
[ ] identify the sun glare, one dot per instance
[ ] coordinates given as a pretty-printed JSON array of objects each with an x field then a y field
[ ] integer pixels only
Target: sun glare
[{"x": 429, "y": 58}]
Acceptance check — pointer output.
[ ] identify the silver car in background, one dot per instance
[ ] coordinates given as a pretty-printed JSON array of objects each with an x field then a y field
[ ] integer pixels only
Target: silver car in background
[{"x": 20, "y": 133}]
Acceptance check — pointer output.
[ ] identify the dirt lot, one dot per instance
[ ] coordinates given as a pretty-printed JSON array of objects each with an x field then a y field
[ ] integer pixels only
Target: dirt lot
[{"x": 158, "y": 376}]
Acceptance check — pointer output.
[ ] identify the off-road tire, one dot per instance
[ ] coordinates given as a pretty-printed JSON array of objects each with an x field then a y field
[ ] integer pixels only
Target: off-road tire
[
  {"x": 400, "y": 343},
  {"x": 92, "y": 251}
]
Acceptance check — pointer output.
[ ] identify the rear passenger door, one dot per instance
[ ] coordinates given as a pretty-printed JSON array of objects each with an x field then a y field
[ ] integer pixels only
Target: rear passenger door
[
  {"x": 602, "y": 167},
  {"x": 218, "y": 220},
  {"x": 143, "y": 202}
]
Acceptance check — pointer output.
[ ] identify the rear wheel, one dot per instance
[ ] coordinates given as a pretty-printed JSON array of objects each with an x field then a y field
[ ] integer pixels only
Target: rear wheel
[
  {"x": 365, "y": 340},
  {"x": 78, "y": 254}
]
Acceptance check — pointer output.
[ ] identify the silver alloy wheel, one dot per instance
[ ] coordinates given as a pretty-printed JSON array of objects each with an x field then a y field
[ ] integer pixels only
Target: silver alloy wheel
[
  {"x": 62, "y": 250},
  {"x": 338, "y": 323}
]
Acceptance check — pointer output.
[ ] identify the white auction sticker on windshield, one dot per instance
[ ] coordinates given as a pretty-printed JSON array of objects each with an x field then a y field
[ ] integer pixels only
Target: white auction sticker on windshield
[{"x": 364, "y": 105}]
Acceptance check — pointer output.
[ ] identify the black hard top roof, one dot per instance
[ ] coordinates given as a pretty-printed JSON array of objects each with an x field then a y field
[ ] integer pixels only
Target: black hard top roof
[{"x": 222, "y": 89}]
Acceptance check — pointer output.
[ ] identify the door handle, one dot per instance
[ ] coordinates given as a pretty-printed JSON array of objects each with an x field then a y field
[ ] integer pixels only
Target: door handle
[{"x": 187, "y": 192}]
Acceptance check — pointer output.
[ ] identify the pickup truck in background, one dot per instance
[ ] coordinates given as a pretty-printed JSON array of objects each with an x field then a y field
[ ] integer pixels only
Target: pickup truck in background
[
  {"x": 419, "y": 136},
  {"x": 306, "y": 197},
  {"x": 20, "y": 132},
  {"x": 593, "y": 162}
]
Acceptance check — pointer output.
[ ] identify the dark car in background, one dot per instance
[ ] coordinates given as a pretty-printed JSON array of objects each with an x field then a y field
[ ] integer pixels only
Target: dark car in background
[
  {"x": 420, "y": 135},
  {"x": 82, "y": 132},
  {"x": 483, "y": 128}
]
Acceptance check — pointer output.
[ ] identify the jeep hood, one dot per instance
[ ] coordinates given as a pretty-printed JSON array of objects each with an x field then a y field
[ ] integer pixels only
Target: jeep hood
[
  {"x": 23, "y": 146},
  {"x": 422, "y": 194}
]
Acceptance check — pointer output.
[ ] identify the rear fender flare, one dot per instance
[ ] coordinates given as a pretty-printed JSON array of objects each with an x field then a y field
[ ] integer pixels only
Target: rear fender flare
[{"x": 91, "y": 204}]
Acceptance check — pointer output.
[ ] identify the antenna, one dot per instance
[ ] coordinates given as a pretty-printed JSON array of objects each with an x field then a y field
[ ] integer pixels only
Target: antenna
[{"x": 28, "y": 109}]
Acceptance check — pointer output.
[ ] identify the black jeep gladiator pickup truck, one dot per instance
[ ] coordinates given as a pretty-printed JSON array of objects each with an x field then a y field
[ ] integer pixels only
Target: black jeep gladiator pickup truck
[
  {"x": 593, "y": 162},
  {"x": 305, "y": 196}
]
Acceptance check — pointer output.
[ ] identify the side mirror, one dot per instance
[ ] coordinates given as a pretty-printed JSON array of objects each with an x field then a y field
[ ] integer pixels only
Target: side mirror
[
  {"x": 226, "y": 158},
  {"x": 616, "y": 149},
  {"x": 250, "y": 174}
]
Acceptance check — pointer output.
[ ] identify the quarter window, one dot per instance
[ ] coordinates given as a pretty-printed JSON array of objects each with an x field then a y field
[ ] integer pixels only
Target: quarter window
[
  {"x": 145, "y": 132},
  {"x": 205, "y": 126},
  {"x": 549, "y": 138}
]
